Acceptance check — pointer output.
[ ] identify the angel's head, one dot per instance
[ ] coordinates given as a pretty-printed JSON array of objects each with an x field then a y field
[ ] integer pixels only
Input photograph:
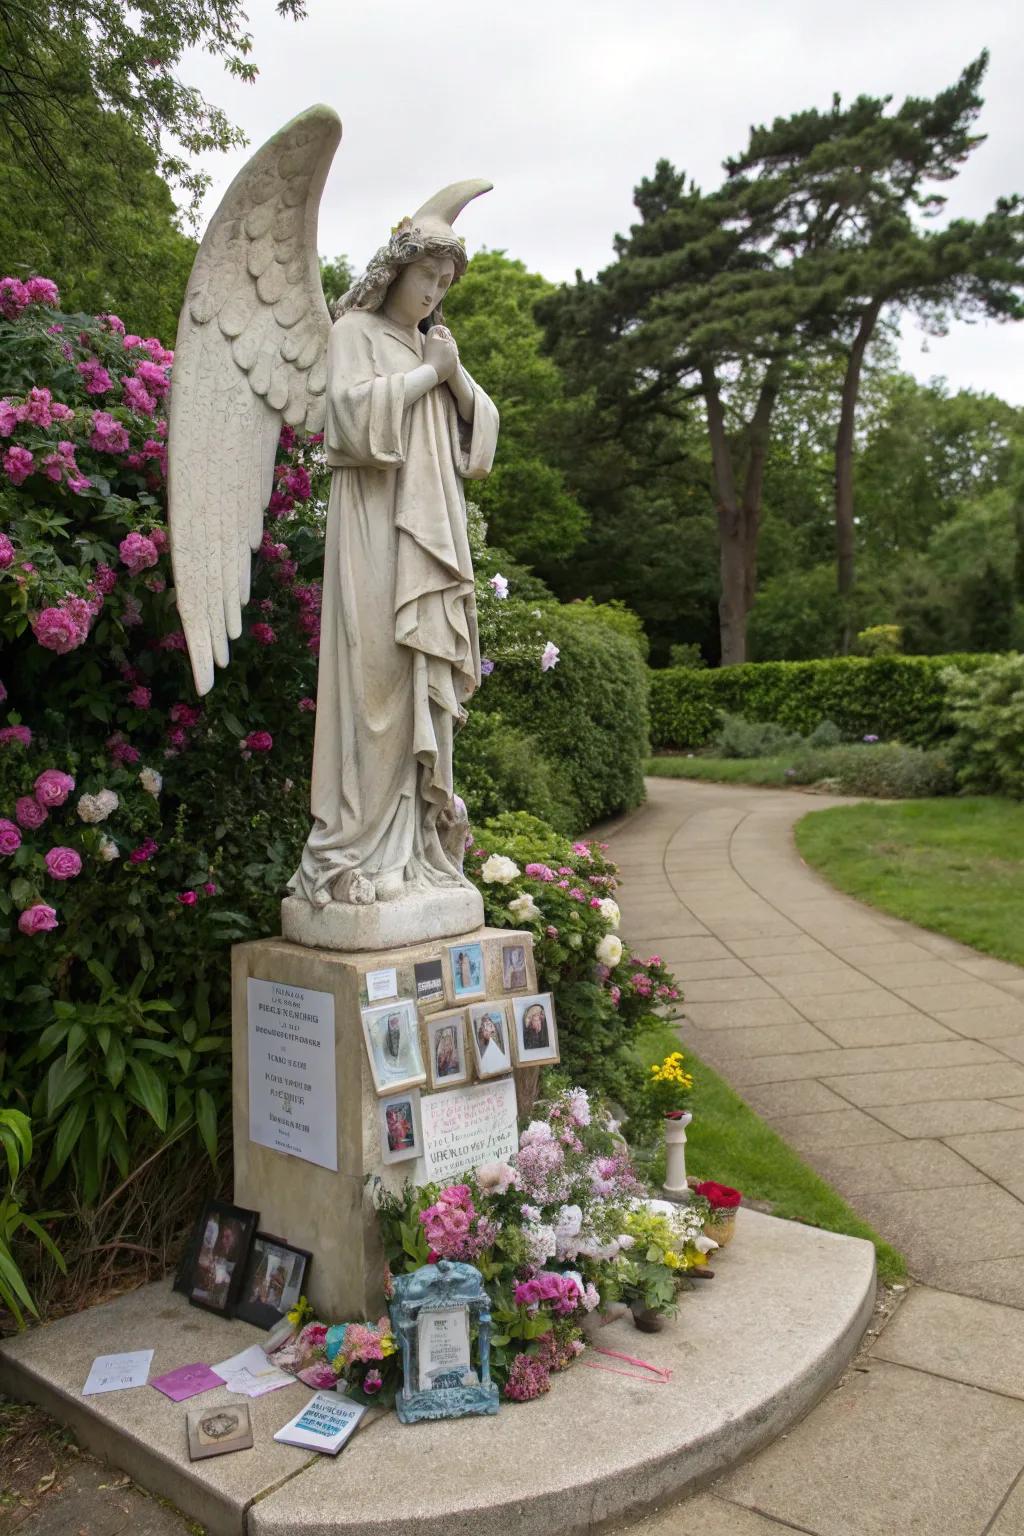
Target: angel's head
[{"x": 410, "y": 275}]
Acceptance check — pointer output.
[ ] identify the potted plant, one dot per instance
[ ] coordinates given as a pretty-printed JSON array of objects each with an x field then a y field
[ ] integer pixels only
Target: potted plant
[
  {"x": 724, "y": 1203},
  {"x": 669, "y": 1086}
]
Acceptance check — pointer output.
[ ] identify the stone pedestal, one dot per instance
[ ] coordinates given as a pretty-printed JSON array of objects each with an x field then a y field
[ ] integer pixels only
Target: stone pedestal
[{"x": 330, "y": 1212}]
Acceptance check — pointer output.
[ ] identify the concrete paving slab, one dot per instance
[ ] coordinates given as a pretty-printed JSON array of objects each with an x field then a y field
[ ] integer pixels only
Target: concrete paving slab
[
  {"x": 679, "y": 951},
  {"x": 769, "y": 1010},
  {"x": 869, "y": 1003},
  {"x": 919, "y": 1085},
  {"x": 787, "y": 944},
  {"x": 1010, "y": 1104},
  {"x": 969, "y": 994},
  {"x": 951, "y": 1117},
  {"x": 939, "y": 1228},
  {"x": 997, "y": 1280},
  {"x": 1013, "y": 1047},
  {"x": 801, "y": 1098},
  {"x": 987, "y": 969},
  {"x": 894, "y": 1452},
  {"x": 707, "y": 1515},
  {"x": 1015, "y": 988},
  {"x": 741, "y": 1352},
  {"x": 833, "y": 1128},
  {"x": 824, "y": 983},
  {"x": 895, "y": 1165},
  {"x": 984, "y": 1023},
  {"x": 977, "y": 1342},
  {"x": 769, "y": 1040},
  {"x": 1000, "y": 1154},
  {"x": 887, "y": 1029},
  {"x": 885, "y": 952},
  {"x": 883, "y": 1060},
  {"x": 729, "y": 989},
  {"x": 688, "y": 971},
  {"x": 1010, "y": 1519},
  {"x": 919, "y": 973},
  {"x": 802, "y": 963}
]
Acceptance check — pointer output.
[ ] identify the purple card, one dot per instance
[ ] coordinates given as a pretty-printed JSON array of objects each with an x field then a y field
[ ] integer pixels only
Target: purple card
[{"x": 186, "y": 1381}]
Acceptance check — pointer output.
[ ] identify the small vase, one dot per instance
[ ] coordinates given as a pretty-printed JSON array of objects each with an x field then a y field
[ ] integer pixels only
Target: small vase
[
  {"x": 647, "y": 1319},
  {"x": 721, "y": 1226},
  {"x": 675, "y": 1156}
]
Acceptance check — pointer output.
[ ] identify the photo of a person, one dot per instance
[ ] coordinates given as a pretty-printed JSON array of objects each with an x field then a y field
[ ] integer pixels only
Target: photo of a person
[
  {"x": 513, "y": 967},
  {"x": 490, "y": 1040},
  {"x": 393, "y": 1044},
  {"x": 400, "y": 1134},
  {"x": 446, "y": 1049},
  {"x": 274, "y": 1279},
  {"x": 215, "y": 1268},
  {"x": 536, "y": 1032},
  {"x": 211, "y": 1269},
  {"x": 467, "y": 963}
]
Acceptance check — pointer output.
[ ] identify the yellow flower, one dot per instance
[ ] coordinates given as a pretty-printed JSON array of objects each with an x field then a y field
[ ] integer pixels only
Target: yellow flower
[
  {"x": 672, "y": 1260},
  {"x": 387, "y": 1344}
]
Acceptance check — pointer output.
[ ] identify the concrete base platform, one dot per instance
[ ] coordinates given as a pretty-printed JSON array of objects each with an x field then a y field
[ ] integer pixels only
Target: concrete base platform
[{"x": 749, "y": 1354}]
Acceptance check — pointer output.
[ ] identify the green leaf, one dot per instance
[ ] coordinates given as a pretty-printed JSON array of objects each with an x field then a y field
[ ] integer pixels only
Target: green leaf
[
  {"x": 149, "y": 1090},
  {"x": 233, "y": 724},
  {"x": 62, "y": 1082},
  {"x": 76, "y": 1039},
  {"x": 206, "y": 1119},
  {"x": 68, "y": 1132}
]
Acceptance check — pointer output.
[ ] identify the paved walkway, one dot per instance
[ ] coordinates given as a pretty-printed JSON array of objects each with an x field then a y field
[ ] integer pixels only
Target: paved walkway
[{"x": 893, "y": 1060}]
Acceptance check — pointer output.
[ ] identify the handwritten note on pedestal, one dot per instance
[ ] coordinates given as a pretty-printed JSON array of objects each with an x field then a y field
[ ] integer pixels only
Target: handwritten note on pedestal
[
  {"x": 292, "y": 1101},
  {"x": 468, "y": 1126}
]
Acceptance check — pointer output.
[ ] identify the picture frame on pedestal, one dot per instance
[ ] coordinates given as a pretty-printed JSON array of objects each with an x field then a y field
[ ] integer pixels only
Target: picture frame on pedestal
[
  {"x": 392, "y": 1036},
  {"x": 491, "y": 1037},
  {"x": 274, "y": 1279},
  {"x": 536, "y": 1032},
  {"x": 401, "y": 1129},
  {"x": 447, "y": 1061},
  {"x": 514, "y": 973},
  {"x": 211, "y": 1270},
  {"x": 466, "y": 962}
]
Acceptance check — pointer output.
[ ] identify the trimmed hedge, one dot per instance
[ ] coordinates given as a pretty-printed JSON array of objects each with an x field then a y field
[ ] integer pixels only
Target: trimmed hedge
[{"x": 902, "y": 697}]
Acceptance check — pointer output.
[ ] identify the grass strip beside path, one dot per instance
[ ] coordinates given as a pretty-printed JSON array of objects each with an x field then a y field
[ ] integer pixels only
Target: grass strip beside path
[
  {"x": 955, "y": 866},
  {"x": 728, "y": 1142},
  {"x": 723, "y": 770}
]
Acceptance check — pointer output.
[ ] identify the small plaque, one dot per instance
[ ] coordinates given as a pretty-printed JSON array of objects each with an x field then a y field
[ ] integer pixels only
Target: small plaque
[
  {"x": 442, "y": 1348},
  {"x": 429, "y": 976},
  {"x": 381, "y": 985},
  {"x": 215, "y": 1431},
  {"x": 293, "y": 1105},
  {"x": 469, "y": 1126}
]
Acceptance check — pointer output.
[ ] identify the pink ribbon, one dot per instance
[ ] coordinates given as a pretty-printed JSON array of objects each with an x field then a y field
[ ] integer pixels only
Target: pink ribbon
[{"x": 661, "y": 1374}]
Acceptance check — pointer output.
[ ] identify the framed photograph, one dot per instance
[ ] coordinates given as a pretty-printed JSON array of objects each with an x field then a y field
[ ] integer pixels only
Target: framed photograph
[
  {"x": 274, "y": 1279},
  {"x": 215, "y": 1431},
  {"x": 514, "y": 975},
  {"x": 211, "y": 1271},
  {"x": 392, "y": 1034},
  {"x": 401, "y": 1133},
  {"x": 467, "y": 966},
  {"x": 536, "y": 1032},
  {"x": 492, "y": 1048},
  {"x": 429, "y": 978},
  {"x": 446, "y": 1049}
]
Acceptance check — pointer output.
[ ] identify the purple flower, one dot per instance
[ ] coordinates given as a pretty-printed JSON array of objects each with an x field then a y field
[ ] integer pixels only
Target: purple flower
[
  {"x": 549, "y": 656},
  {"x": 486, "y": 666},
  {"x": 870, "y": 738}
]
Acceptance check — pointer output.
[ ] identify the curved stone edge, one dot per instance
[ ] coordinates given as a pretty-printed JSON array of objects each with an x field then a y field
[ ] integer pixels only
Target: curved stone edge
[{"x": 316, "y": 1504}]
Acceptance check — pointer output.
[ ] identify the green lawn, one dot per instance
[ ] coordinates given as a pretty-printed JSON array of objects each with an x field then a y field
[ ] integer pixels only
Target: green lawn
[
  {"x": 723, "y": 770},
  {"x": 955, "y": 866},
  {"x": 729, "y": 1142}
]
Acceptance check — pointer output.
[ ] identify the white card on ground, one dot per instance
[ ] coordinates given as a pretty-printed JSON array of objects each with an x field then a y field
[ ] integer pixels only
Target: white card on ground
[
  {"x": 380, "y": 985},
  {"x": 113, "y": 1373},
  {"x": 252, "y": 1373}
]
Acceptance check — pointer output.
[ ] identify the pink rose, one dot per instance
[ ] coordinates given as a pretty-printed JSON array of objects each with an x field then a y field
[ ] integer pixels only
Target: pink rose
[
  {"x": 53, "y": 787},
  {"x": 187, "y": 898},
  {"x": 18, "y": 464},
  {"x": 106, "y": 578},
  {"x": 29, "y": 813},
  {"x": 19, "y": 733},
  {"x": 40, "y": 290},
  {"x": 63, "y": 863},
  {"x": 308, "y": 706},
  {"x": 57, "y": 629},
  {"x": 6, "y": 552},
  {"x": 37, "y": 919},
  {"x": 263, "y": 634},
  {"x": 140, "y": 698},
  {"x": 10, "y": 837},
  {"x": 258, "y": 741},
  {"x": 137, "y": 552},
  {"x": 209, "y": 889}
]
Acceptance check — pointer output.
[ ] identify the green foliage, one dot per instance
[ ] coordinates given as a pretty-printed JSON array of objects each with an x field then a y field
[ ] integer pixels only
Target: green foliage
[
  {"x": 880, "y": 640},
  {"x": 589, "y": 714},
  {"x": 336, "y": 277},
  {"x": 904, "y": 697},
  {"x": 886, "y": 771},
  {"x": 988, "y": 709},
  {"x": 499, "y": 767},
  {"x": 688, "y": 655},
  {"x": 15, "y": 1224},
  {"x": 739, "y": 737}
]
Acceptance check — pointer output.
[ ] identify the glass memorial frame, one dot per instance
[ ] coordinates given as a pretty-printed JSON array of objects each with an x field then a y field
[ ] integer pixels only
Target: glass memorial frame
[
  {"x": 392, "y": 1035},
  {"x": 447, "y": 1055},
  {"x": 536, "y": 1032},
  {"x": 452, "y": 1294}
]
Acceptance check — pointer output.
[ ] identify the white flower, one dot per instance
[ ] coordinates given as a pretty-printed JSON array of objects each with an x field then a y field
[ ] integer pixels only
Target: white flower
[
  {"x": 549, "y": 656},
  {"x": 524, "y": 906},
  {"x": 575, "y": 940},
  {"x": 151, "y": 781},
  {"x": 288, "y": 786},
  {"x": 496, "y": 1178},
  {"x": 579, "y": 1106},
  {"x": 98, "y": 807},
  {"x": 625, "y": 1241},
  {"x": 609, "y": 910},
  {"x": 568, "y": 1221},
  {"x": 537, "y": 1130},
  {"x": 609, "y": 951},
  {"x": 498, "y": 870},
  {"x": 704, "y": 1244},
  {"x": 500, "y": 584},
  {"x": 108, "y": 850},
  {"x": 540, "y": 1243}
]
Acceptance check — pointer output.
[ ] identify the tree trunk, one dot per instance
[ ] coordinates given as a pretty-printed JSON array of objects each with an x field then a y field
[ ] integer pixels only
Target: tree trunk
[
  {"x": 732, "y": 610},
  {"x": 845, "y": 542},
  {"x": 753, "y": 488}
]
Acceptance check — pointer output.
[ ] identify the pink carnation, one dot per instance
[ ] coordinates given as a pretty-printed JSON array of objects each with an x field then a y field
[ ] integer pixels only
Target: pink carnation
[
  {"x": 18, "y": 464},
  {"x": 6, "y": 552},
  {"x": 8, "y": 418},
  {"x": 137, "y": 397},
  {"x": 52, "y": 787},
  {"x": 138, "y": 552},
  {"x": 263, "y": 634},
  {"x": 40, "y": 290},
  {"x": 29, "y": 813},
  {"x": 105, "y": 578},
  {"x": 153, "y": 378},
  {"x": 19, "y": 733},
  {"x": 10, "y": 837},
  {"x": 58, "y": 629},
  {"x": 13, "y": 297},
  {"x": 36, "y": 409},
  {"x": 96, "y": 378},
  {"x": 298, "y": 484},
  {"x": 209, "y": 889},
  {"x": 63, "y": 863},
  {"x": 37, "y": 919},
  {"x": 140, "y": 698},
  {"x": 108, "y": 434},
  {"x": 185, "y": 714}
]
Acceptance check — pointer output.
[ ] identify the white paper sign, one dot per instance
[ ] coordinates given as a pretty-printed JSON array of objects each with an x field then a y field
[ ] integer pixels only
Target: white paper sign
[
  {"x": 252, "y": 1373},
  {"x": 113, "y": 1373},
  {"x": 465, "y": 1127},
  {"x": 381, "y": 985},
  {"x": 443, "y": 1346},
  {"x": 293, "y": 1105}
]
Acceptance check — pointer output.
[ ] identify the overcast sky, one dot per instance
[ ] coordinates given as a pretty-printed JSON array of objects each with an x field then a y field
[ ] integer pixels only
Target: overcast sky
[{"x": 566, "y": 104}]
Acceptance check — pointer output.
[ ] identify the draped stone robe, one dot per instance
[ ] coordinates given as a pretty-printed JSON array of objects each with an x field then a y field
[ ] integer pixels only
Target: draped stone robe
[{"x": 399, "y": 652}]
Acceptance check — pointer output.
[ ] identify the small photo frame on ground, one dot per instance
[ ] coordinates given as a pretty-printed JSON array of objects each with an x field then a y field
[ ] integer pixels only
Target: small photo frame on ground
[
  {"x": 211, "y": 1271},
  {"x": 514, "y": 974},
  {"x": 492, "y": 1047},
  {"x": 215, "y": 1431},
  {"x": 467, "y": 968},
  {"x": 274, "y": 1279},
  {"x": 392, "y": 1035},
  {"x": 447, "y": 1062},
  {"x": 536, "y": 1031},
  {"x": 401, "y": 1131}
]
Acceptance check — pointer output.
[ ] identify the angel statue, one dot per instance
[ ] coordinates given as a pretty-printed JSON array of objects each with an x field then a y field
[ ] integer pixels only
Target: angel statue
[{"x": 403, "y": 425}]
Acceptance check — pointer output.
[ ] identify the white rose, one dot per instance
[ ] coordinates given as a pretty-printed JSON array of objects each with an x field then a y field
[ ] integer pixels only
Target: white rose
[
  {"x": 575, "y": 940},
  {"x": 498, "y": 870},
  {"x": 94, "y": 808},
  {"x": 151, "y": 781},
  {"x": 524, "y": 906},
  {"x": 609, "y": 910},
  {"x": 108, "y": 850},
  {"x": 609, "y": 951},
  {"x": 568, "y": 1221}
]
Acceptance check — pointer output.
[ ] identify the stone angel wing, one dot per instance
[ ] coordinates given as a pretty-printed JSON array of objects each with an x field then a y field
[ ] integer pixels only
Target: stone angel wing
[{"x": 251, "y": 351}]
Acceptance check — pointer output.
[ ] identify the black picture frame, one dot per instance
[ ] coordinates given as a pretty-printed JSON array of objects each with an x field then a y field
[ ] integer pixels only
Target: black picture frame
[
  {"x": 264, "y": 1314},
  {"x": 195, "y": 1271}
]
